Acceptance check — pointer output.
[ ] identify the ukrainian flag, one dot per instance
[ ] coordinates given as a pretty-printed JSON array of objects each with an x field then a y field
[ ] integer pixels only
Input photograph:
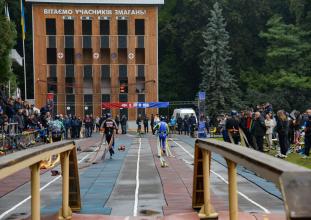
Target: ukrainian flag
[{"x": 23, "y": 24}]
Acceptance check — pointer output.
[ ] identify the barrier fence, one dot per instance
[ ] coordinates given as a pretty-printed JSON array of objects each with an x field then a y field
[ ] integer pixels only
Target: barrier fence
[
  {"x": 34, "y": 158},
  {"x": 293, "y": 181},
  {"x": 12, "y": 140}
]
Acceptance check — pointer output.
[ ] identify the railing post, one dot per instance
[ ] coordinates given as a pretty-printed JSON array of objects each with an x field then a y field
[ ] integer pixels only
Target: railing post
[
  {"x": 35, "y": 191},
  {"x": 233, "y": 191},
  {"x": 65, "y": 211},
  {"x": 207, "y": 210}
]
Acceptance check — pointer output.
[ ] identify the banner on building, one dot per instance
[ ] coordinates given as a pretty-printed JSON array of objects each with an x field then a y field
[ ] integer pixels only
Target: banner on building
[{"x": 111, "y": 105}]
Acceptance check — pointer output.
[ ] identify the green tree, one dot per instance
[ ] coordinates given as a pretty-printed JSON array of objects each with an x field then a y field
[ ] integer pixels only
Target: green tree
[
  {"x": 285, "y": 43},
  {"x": 7, "y": 42},
  {"x": 218, "y": 83}
]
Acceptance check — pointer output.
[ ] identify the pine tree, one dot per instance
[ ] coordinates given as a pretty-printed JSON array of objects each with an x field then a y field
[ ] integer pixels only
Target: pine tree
[{"x": 222, "y": 93}]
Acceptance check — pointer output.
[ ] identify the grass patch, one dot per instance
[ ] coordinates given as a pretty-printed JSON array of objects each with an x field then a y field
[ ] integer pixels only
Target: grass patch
[{"x": 292, "y": 157}]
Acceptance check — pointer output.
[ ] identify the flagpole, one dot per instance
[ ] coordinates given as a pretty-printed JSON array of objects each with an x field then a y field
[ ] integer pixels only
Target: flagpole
[
  {"x": 24, "y": 54},
  {"x": 24, "y": 59}
]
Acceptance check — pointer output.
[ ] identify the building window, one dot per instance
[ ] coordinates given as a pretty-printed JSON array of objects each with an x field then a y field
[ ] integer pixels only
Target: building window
[
  {"x": 70, "y": 104},
  {"x": 70, "y": 71},
  {"x": 87, "y": 72},
  {"x": 105, "y": 98},
  {"x": 86, "y": 27},
  {"x": 139, "y": 27},
  {"x": 52, "y": 84},
  {"x": 69, "y": 41},
  {"x": 124, "y": 111},
  {"x": 50, "y": 25},
  {"x": 122, "y": 27},
  {"x": 69, "y": 79},
  {"x": 69, "y": 28},
  {"x": 141, "y": 98},
  {"x": 104, "y": 42},
  {"x": 141, "y": 71},
  {"x": 51, "y": 56},
  {"x": 88, "y": 104},
  {"x": 105, "y": 72},
  {"x": 51, "y": 42},
  {"x": 104, "y": 27},
  {"x": 122, "y": 71},
  {"x": 122, "y": 42},
  {"x": 52, "y": 71},
  {"x": 69, "y": 56},
  {"x": 87, "y": 80},
  {"x": 54, "y": 105}
]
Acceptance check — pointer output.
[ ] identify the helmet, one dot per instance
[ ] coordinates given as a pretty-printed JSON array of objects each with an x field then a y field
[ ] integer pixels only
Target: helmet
[
  {"x": 234, "y": 112},
  {"x": 108, "y": 115},
  {"x": 162, "y": 118}
]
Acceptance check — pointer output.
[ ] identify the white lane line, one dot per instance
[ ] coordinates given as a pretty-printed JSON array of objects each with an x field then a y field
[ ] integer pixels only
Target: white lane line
[
  {"x": 42, "y": 188},
  {"x": 137, "y": 181},
  {"x": 224, "y": 180}
]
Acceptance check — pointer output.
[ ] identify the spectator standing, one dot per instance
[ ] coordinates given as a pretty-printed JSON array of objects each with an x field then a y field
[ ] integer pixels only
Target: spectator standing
[
  {"x": 282, "y": 130},
  {"x": 146, "y": 124},
  {"x": 245, "y": 125},
  {"x": 79, "y": 127},
  {"x": 97, "y": 123},
  {"x": 297, "y": 126},
  {"x": 270, "y": 124},
  {"x": 19, "y": 118},
  {"x": 193, "y": 124},
  {"x": 67, "y": 126},
  {"x": 186, "y": 125},
  {"x": 74, "y": 127},
  {"x": 172, "y": 124},
  {"x": 138, "y": 123},
  {"x": 152, "y": 123},
  {"x": 92, "y": 124},
  {"x": 117, "y": 120},
  {"x": 202, "y": 128},
  {"x": 88, "y": 126},
  {"x": 232, "y": 127},
  {"x": 307, "y": 134},
  {"x": 179, "y": 124},
  {"x": 10, "y": 112},
  {"x": 123, "y": 124},
  {"x": 258, "y": 130}
]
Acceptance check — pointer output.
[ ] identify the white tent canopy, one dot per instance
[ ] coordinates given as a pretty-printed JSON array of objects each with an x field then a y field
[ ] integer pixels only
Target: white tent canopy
[{"x": 16, "y": 57}]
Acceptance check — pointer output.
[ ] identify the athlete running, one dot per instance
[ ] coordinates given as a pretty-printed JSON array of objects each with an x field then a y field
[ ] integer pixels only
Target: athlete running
[
  {"x": 109, "y": 126},
  {"x": 162, "y": 130}
]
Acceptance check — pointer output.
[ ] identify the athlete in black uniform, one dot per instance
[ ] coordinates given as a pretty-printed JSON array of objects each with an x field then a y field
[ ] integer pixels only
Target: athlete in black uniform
[{"x": 109, "y": 126}]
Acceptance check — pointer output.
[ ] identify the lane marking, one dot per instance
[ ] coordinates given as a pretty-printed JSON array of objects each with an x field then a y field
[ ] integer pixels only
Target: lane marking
[
  {"x": 42, "y": 188},
  {"x": 137, "y": 180},
  {"x": 224, "y": 180}
]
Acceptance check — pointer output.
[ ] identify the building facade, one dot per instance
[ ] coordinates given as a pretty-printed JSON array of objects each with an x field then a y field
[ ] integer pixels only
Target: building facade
[{"x": 90, "y": 52}]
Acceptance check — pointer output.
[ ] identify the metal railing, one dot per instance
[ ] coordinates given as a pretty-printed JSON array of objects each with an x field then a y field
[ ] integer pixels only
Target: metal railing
[
  {"x": 294, "y": 181},
  {"x": 11, "y": 139},
  {"x": 33, "y": 158}
]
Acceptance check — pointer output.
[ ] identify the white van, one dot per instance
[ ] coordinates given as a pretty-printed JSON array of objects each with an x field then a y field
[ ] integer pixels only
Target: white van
[{"x": 182, "y": 112}]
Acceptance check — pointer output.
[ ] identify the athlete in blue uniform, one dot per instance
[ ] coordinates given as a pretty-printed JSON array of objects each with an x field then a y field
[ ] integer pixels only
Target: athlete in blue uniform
[{"x": 163, "y": 130}]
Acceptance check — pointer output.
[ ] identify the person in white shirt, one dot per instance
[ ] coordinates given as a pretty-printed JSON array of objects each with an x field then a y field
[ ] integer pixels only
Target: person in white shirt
[{"x": 270, "y": 124}]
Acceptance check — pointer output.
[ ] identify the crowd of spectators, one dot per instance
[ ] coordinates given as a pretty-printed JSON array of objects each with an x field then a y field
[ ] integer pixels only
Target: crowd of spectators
[{"x": 263, "y": 129}]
